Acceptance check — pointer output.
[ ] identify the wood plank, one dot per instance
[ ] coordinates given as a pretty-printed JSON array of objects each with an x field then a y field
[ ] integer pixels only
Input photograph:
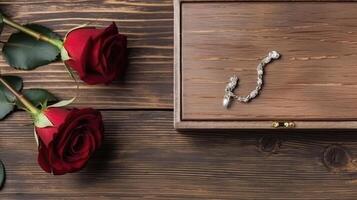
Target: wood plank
[
  {"x": 148, "y": 24},
  {"x": 144, "y": 158}
]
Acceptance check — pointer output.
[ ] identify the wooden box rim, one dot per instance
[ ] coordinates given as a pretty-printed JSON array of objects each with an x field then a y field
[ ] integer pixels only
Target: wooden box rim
[{"x": 235, "y": 124}]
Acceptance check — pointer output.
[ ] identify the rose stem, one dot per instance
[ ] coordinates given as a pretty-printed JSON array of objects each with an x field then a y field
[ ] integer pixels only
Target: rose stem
[
  {"x": 20, "y": 97},
  {"x": 55, "y": 42}
]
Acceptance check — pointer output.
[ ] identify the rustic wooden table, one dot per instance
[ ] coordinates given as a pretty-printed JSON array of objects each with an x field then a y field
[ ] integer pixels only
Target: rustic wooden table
[{"x": 143, "y": 156}]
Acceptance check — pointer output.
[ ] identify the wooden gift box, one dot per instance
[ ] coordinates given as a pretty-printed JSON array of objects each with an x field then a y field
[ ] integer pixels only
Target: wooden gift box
[{"x": 313, "y": 85}]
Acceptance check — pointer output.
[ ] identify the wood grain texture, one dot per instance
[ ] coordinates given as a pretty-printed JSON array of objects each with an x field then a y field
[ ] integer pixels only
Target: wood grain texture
[
  {"x": 149, "y": 27},
  {"x": 145, "y": 158},
  {"x": 314, "y": 80}
]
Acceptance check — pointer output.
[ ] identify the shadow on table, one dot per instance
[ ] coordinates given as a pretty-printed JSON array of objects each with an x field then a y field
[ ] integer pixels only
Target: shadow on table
[
  {"x": 99, "y": 168},
  {"x": 336, "y": 149}
]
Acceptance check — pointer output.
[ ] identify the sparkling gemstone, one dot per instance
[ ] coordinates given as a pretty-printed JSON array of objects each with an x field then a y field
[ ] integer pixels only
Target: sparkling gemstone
[
  {"x": 231, "y": 85},
  {"x": 226, "y": 102},
  {"x": 267, "y": 59},
  {"x": 253, "y": 93},
  {"x": 274, "y": 55},
  {"x": 233, "y": 79}
]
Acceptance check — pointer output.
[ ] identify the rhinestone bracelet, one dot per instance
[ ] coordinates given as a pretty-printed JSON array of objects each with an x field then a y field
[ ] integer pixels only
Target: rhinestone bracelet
[{"x": 233, "y": 83}]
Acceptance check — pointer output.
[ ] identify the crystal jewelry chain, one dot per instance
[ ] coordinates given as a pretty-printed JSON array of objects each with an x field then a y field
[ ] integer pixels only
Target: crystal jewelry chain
[{"x": 233, "y": 82}]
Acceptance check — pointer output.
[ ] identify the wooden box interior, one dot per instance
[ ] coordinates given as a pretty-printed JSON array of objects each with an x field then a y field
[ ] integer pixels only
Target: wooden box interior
[{"x": 313, "y": 84}]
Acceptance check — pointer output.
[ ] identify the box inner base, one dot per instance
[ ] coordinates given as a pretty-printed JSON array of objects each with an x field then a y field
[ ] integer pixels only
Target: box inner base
[{"x": 315, "y": 79}]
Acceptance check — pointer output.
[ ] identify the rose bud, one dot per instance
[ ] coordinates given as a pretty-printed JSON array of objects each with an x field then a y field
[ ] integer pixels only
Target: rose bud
[
  {"x": 98, "y": 55},
  {"x": 75, "y": 135}
]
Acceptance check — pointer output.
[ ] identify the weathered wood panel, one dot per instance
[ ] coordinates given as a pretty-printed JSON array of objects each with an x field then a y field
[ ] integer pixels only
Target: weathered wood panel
[
  {"x": 149, "y": 27},
  {"x": 143, "y": 157}
]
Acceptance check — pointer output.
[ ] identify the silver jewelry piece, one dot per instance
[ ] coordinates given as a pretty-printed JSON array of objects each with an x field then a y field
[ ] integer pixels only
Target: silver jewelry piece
[{"x": 233, "y": 83}]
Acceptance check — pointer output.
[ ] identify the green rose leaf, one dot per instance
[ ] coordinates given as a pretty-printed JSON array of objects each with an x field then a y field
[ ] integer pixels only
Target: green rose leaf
[
  {"x": 37, "y": 97},
  {"x": 25, "y": 52},
  {"x": 5, "y": 106},
  {"x": 6, "y": 98},
  {"x": 16, "y": 82},
  {"x": 2, "y": 174},
  {"x": 1, "y": 23}
]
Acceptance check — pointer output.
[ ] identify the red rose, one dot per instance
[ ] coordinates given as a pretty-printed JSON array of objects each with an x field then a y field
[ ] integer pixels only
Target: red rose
[
  {"x": 69, "y": 143},
  {"x": 98, "y": 55}
]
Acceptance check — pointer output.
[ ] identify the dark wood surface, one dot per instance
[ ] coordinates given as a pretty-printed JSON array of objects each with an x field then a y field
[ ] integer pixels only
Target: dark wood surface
[
  {"x": 149, "y": 26},
  {"x": 143, "y": 156}
]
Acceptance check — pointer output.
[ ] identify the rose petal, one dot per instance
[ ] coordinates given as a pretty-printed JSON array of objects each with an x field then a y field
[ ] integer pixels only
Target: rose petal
[
  {"x": 79, "y": 63},
  {"x": 76, "y": 41},
  {"x": 57, "y": 116},
  {"x": 47, "y": 134},
  {"x": 42, "y": 158}
]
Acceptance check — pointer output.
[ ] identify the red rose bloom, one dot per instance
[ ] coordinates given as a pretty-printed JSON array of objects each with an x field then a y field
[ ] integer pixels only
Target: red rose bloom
[
  {"x": 98, "y": 55},
  {"x": 67, "y": 145}
]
